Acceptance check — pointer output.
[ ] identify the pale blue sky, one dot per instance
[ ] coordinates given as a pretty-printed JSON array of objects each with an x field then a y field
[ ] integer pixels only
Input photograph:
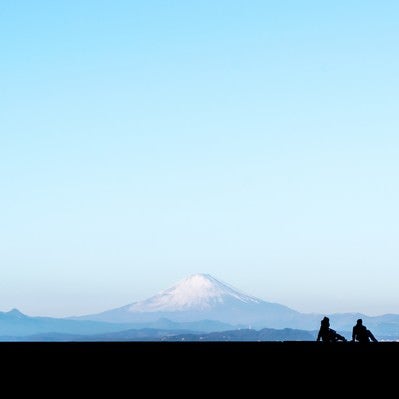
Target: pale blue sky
[{"x": 143, "y": 141}]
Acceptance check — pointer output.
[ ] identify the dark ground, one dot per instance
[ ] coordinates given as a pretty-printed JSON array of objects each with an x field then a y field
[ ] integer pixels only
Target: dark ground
[{"x": 197, "y": 367}]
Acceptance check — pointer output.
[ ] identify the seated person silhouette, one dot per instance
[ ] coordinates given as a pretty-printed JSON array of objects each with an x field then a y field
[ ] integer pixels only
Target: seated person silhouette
[
  {"x": 360, "y": 333},
  {"x": 327, "y": 334}
]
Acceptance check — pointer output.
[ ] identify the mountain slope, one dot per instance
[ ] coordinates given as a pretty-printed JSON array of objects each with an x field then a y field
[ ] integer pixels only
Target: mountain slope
[
  {"x": 201, "y": 296},
  {"x": 195, "y": 293}
]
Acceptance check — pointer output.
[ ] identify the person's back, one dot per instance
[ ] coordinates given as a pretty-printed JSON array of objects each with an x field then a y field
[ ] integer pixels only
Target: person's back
[
  {"x": 324, "y": 331},
  {"x": 327, "y": 334},
  {"x": 361, "y": 334}
]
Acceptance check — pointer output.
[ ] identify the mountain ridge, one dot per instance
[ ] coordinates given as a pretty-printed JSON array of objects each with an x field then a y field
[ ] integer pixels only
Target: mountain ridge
[
  {"x": 200, "y": 296},
  {"x": 198, "y": 303}
]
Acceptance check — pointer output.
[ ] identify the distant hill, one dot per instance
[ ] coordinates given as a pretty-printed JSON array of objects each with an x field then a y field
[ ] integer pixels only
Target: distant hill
[
  {"x": 152, "y": 334},
  {"x": 265, "y": 334},
  {"x": 14, "y": 324}
]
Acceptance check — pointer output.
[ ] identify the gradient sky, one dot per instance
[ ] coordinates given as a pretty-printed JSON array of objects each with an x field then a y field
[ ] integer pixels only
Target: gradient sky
[{"x": 144, "y": 141}]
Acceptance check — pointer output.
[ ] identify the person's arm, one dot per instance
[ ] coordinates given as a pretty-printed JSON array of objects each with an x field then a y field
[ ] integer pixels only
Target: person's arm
[
  {"x": 353, "y": 334},
  {"x": 371, "y": 335}
]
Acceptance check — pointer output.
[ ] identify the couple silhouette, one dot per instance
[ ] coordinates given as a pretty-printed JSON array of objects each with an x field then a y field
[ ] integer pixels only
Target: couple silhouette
[{"x": 360, "y": 333}]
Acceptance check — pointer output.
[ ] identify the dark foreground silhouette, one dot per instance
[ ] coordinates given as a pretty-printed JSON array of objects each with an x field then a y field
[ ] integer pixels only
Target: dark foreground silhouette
[
  {"x": 205, "y": 368},
  {"x": 142, "y": 353},
  {"x": 327, "y": 334},
  {"x": 361, "y": 333}
]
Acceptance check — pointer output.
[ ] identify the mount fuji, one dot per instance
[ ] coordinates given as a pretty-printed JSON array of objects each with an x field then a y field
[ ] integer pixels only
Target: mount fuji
[
  {"x": 203, "y": 297},
  {"x": 197, "y": 304}
]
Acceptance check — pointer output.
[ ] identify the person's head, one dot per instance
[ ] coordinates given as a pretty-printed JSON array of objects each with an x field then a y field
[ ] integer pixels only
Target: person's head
[
  {"x": 325, "y": 321},
  {"x": 359, "y": 322}
]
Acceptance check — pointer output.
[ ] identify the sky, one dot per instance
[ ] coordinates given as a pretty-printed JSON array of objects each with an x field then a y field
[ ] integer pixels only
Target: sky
[{"x": 145, "y": 141}]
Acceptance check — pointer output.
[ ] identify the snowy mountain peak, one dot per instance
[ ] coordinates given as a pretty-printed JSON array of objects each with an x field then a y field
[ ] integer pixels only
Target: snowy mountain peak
[{"x": 196, "y": 292}]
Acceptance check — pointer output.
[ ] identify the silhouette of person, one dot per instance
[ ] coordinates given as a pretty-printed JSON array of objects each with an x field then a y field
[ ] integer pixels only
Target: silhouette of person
[
  {"x": 327, "y": 334},
  {"x": 361, "y": 333}
]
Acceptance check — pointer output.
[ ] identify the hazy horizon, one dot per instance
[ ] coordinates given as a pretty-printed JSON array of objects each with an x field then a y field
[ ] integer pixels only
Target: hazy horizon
[{"x": 142, "y": 142}]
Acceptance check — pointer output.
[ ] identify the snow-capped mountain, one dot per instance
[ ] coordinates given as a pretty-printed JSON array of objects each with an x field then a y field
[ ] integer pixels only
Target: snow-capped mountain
[
  {"x": 198, "y": 292},
  {"x": 203, "y": 297},
  {"x": 199, "y": 303}
]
